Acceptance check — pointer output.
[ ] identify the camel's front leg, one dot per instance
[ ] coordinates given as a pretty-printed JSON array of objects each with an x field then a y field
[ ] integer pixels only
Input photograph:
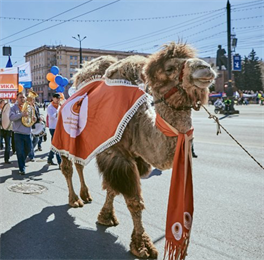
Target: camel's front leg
[
  {"x": 84, "y": 192},
  {"x": 107, "y": 215},
  {"x": 67, "y": 170},
  {"x": 141, "y": 244}
]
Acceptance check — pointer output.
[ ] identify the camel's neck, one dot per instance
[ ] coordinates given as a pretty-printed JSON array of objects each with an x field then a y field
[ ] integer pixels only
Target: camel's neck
[{"x": 180, "y": 119}]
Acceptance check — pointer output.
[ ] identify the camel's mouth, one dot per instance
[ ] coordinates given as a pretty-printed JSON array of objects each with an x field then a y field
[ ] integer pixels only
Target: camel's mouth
[
  {"x": 203, "y": 77},
  {"x": 203, "y": 82},
  {"x": 206, "y": 80}
]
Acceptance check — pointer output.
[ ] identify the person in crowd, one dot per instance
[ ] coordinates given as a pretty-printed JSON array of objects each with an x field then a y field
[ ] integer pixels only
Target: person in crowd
[
  {"x": 194, "y": 155},
  {"x": 6, "y": 134},
  {"x": 52, "y": 114},
  {"x": 2, "y": 102},
  {"x": 219, "y": 104},
  {"x": 21, "y": 132},
  {"x": 35, "y": 139},
  {"x": 1, "y": 141},
  {"x": 39, "y": 143},
  {"x": 12, "y": 103},
  {"x": 228, "y": 103}
]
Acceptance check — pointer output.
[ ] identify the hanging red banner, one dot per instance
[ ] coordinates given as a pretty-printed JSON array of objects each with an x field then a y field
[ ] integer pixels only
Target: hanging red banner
[{"x": 8, "y": 83}]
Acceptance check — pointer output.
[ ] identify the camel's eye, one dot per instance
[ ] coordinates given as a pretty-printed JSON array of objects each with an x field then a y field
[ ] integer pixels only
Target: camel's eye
[{"x": 170, "y": 69}]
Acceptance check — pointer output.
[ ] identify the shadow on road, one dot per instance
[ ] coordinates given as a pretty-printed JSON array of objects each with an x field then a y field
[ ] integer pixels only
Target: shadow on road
[
  {"x": 15, "y": 175},
  {"x": 227, "y": 115},
  {"x": 52, "y": 234}
]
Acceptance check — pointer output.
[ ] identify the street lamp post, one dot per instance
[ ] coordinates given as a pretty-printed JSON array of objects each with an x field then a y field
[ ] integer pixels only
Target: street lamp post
[{"x": 80, "y": 41}]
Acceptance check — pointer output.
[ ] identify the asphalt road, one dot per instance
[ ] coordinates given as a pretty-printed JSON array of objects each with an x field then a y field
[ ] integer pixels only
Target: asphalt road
[{"x": 228, "y": 193}]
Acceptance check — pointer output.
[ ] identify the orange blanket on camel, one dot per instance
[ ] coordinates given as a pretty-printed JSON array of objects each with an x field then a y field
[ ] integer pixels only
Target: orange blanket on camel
[{"x": 95, "y": 117}]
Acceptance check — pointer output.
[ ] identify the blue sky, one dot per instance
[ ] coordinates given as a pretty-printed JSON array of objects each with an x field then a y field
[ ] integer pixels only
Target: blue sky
[{"x": 106, "y": 26}]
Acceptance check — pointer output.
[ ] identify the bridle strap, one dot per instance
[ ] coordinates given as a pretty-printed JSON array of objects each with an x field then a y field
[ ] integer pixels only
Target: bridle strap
[
  {"x": 173, "y": 90},
  {"x": 170, "y": 92}
]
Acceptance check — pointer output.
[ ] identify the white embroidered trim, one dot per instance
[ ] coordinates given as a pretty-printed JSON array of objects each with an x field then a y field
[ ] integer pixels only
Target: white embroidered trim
[
  {"x": 118, "y": 82},
  {"x": 109, "y": 82},
  {"x": 88, "y": 81},
  {"x": 111, "y": 141}
]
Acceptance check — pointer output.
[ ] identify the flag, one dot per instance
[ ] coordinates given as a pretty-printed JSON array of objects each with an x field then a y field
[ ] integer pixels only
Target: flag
[
  {"x": 9, "y": 63},
  {"x": 25, "y": 75}
]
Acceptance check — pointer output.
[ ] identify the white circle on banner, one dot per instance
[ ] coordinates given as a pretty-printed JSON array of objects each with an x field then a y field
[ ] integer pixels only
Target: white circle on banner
[
  {"x": 177, "y": 230},
  {"x": 74, "y": 115},
  {"x": 71, "y": 91},
  {"x": 187, "y": 220}
]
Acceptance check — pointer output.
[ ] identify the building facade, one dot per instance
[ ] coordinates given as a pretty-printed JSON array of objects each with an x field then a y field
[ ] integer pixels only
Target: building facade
[{"x": 67, "y": 59}]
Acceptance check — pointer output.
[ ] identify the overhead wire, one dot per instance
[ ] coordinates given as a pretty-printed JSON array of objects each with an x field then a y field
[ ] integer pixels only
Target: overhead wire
[
  {"x": 163, "y": 30},
  {"x": 157, "y": 33},
  {"x": 98, "y": 8},
  {"x": 45, "y": 20},
  {"x": 236, "y": 19},
  {"x": 109, "y": 20},
  {"x": 237, "y": 8}
]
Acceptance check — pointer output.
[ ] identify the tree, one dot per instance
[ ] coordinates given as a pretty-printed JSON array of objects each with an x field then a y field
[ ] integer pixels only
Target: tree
[{"x": 250, "y": 76}]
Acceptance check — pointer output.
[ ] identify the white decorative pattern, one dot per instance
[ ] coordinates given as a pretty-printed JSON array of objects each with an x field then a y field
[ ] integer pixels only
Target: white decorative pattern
[
  {"x": 176, "y": 230},
  {"x": 187, "y": 220}
]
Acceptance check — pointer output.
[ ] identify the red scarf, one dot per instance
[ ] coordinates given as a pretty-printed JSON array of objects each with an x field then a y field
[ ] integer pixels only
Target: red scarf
[
  {"x": 55, "y": 105},
  {"x": 20, "y": 107},
  {"x": 180, "y": 205}
]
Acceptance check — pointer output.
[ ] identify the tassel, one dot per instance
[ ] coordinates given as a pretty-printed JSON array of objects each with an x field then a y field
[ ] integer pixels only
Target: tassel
[{"x": 173, "y": 252}]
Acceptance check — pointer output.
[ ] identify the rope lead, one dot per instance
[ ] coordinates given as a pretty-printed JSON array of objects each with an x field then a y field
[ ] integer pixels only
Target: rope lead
[{"x": 219, "y": 132}]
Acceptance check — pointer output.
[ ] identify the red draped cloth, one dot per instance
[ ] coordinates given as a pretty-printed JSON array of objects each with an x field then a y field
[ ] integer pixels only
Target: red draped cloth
[
  {"x": 94, "y": 118},
  {"x": 180, "y": 205}
]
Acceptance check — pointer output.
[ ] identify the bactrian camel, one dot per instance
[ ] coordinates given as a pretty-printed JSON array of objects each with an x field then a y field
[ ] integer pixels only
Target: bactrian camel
[{"x": 143, "y": 145}]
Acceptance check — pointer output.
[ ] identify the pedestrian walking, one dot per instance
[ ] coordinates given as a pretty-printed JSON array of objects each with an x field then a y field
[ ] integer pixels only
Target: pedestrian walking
[
  {"x": 21, "y": 132},
  {"x": 52, "y": 114}
]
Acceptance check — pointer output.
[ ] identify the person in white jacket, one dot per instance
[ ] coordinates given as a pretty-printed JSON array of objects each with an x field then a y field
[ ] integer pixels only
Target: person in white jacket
[{"x": 52, "y": 112}]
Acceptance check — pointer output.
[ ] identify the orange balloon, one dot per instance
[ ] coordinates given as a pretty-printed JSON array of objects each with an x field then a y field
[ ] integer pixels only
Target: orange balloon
[
  {"x": 53, "y": 85},
  {"x": 50, "y": 77},
  {"x": 20, "y": 88}
]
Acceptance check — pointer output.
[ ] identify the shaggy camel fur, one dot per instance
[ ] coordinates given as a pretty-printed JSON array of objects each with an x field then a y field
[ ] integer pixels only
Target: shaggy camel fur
[
  {"x": 142, "y": 143},
  {"x": 90, "y": 69}
]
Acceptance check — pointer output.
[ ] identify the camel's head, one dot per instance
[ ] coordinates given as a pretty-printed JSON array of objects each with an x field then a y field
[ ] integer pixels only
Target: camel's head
[
  {"x": 175, "y": 67},
  {"x": 95, "y": 67},
  {"x": 129, "y": 69}
]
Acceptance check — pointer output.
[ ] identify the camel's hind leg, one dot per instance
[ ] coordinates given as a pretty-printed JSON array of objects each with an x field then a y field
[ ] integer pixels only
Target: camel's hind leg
[
  {"x": 141, "y": 244},
  {"x": 121, "y": 173},
  {"x": 107, "y": 215},
  {"x": 84, "y": 192},
  {"x": 67, "y": 170}
]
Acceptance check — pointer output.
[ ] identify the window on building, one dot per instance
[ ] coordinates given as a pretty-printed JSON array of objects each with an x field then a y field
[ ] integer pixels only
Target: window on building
[
  {"x": 75, "y": 57},
  {"x": 71, "y": 57}
]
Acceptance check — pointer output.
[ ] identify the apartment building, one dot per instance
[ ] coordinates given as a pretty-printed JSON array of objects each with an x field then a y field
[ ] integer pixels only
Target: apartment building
[{"x": 67, "y": 59}]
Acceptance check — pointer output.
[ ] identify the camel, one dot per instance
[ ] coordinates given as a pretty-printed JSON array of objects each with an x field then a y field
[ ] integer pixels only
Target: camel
[
  {"x": 178, "y": 82},
  {"x": 93, "y": 68}
]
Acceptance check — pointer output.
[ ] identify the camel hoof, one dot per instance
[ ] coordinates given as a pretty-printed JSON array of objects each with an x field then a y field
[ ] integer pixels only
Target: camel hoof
[
  {"x": 75, "y": 202},
  {"x": 85, "y": 195},
  {"x": 142, "y": 246},
  {"x": 107, "y": 218}
]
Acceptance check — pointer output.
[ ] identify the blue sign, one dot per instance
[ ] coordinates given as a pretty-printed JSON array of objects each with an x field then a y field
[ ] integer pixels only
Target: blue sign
[{"x": 237, "y": 63}]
